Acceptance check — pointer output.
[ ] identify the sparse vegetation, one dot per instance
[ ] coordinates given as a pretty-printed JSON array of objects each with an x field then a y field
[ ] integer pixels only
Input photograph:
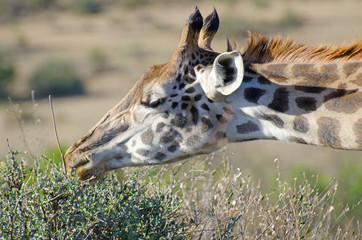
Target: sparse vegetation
[
  {"x": 290, "y": 19},
  {"x": 18, "y": 8},
  {"x": 89, "y": 6},
  {"x": 350, "y": 187},
  {"x": 7, "y": 74},
  {"x": 189, "y": 200},
  {"x": 56, "y": 77},
  {"x": 261, "y": 3},
  {"x": 98, "y": 59}
]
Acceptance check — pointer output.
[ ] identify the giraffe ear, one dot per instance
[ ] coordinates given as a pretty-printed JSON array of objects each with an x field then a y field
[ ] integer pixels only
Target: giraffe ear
[{"x": 226, "y": 76}]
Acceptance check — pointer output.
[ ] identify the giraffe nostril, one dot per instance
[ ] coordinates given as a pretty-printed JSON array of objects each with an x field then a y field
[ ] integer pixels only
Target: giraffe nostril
[{"x": 123, "y": 127}]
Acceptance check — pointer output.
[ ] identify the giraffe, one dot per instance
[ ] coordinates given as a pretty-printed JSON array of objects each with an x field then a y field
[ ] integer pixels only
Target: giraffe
[{"x": 201, "y": 100}]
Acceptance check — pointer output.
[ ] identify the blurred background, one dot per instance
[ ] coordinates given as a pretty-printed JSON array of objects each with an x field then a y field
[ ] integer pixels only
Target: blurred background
[{"x": 89, "y": 53}]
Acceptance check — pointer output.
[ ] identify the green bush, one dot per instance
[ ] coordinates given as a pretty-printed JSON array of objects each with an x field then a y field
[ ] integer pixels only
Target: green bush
[
  {"x": 98, "y": 59},
  {"x": 47, "y": 204},
  {"x": 7, "y": 74},
  {"x": 56, "y": 77},
  {"x": 10, "y": 8},
  {"x": 89, "y": 6},
  {"x": 290, "y": 19}
]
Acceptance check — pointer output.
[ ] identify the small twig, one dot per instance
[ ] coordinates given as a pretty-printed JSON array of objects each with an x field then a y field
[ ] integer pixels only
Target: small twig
[
  {"x": 56, "y": 134},
  {"x": 36, "y": 125},
  {"x": 229, "y": 228},
  {"x": 18, "y": 116},
  {"x": 295, "y": 218},
  {"x": 10, "y": 150}
]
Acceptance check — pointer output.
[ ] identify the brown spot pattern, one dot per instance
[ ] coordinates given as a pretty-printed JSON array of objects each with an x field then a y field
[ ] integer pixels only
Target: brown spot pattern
[
  {"x": 160, "y": 156},
  {"x": 247, "y": 79},
  {"x": 190, "y": 90},
  {"x": 195, "y": 115},
  {"x": 342, "y": 101},
  {"x": 275, "y": 119},
  {"x": 297, "y": 140},
  {"x": 306, "y": 103},
  {"x": 300, "y": 124},
  {"x": 169, "y": 136},
  {"x": 191, "y": 141},
  {"x": 190, "y": 79},
  {"x": 206, "y": 124},
  {"x": 351, "y": 68},
  {"x": 276, "y": 72},
  {"x": 143, "y": 152},
  {"x": 308, "y": 89},
  {"x": 174, "y": 105},
  {"x": 198, "y": 97},
  {"x": 358, "y": 80},
  {"x": 220, "y": 135},
  {"x": 327, "y": 74},
  {"x": 159, "y": 127},
  {"x": 228, "y": 111},
  {"x": 264, "y": 81},
  {"x": 172, "y": 148},
  {"x": 247, "y": 127},
  {"x": 337, "y": 94},
  {"x": 179, "y": 121},
  {"x": 299, "y": 70},
  {"x": 280, "y": 101},
  {"x": 205, "y": 107},
  {"x": 357, "y": 128},
  {"x": 253, "y": 94},
  {"x": 328, "y": 132},
  {"x": 185, "y": 98},
  {"x": 221, "y": 118},
  {"x": 147, "y": 136}
]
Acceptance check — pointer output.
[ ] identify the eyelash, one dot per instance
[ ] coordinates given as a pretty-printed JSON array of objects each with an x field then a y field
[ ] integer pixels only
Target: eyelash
[{"x": 156, "y": 103}]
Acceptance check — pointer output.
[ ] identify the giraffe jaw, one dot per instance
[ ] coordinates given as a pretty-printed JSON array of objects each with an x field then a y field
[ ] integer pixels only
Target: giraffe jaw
[{"x": 92, "y": 166}]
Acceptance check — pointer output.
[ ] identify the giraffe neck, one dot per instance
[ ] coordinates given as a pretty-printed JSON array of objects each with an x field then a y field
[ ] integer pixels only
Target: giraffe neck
[{"x": 317, "y": 104}]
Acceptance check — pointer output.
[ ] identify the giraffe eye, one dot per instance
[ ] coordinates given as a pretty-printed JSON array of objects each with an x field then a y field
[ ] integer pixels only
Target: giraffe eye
[{"x": 155, "y": 103}]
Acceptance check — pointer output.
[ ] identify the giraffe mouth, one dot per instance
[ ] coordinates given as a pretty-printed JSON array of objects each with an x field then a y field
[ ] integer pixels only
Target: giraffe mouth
[
  {"x": 74, "y": 162},
  {"x": 90, "y": 174},
  {"x": 84, "y": 167},
  {"x": 93, "y": 165}
]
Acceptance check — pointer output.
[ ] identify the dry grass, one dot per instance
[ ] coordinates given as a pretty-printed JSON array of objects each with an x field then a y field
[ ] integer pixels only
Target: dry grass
[{"x": 223, "y": 203}]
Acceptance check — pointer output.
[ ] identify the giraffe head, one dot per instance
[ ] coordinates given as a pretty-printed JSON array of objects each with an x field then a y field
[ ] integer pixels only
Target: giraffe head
[{"x": 176, "y": 110}]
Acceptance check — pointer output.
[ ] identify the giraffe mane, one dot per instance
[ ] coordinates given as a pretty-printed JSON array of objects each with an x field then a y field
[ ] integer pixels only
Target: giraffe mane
[{"x": 263, "y": 49}]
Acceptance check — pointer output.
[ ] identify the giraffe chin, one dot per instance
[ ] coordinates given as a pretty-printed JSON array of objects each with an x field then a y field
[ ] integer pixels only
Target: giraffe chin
[
  {"x": 91, "y": 174},
  {"x": 84, "y": 167}
]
